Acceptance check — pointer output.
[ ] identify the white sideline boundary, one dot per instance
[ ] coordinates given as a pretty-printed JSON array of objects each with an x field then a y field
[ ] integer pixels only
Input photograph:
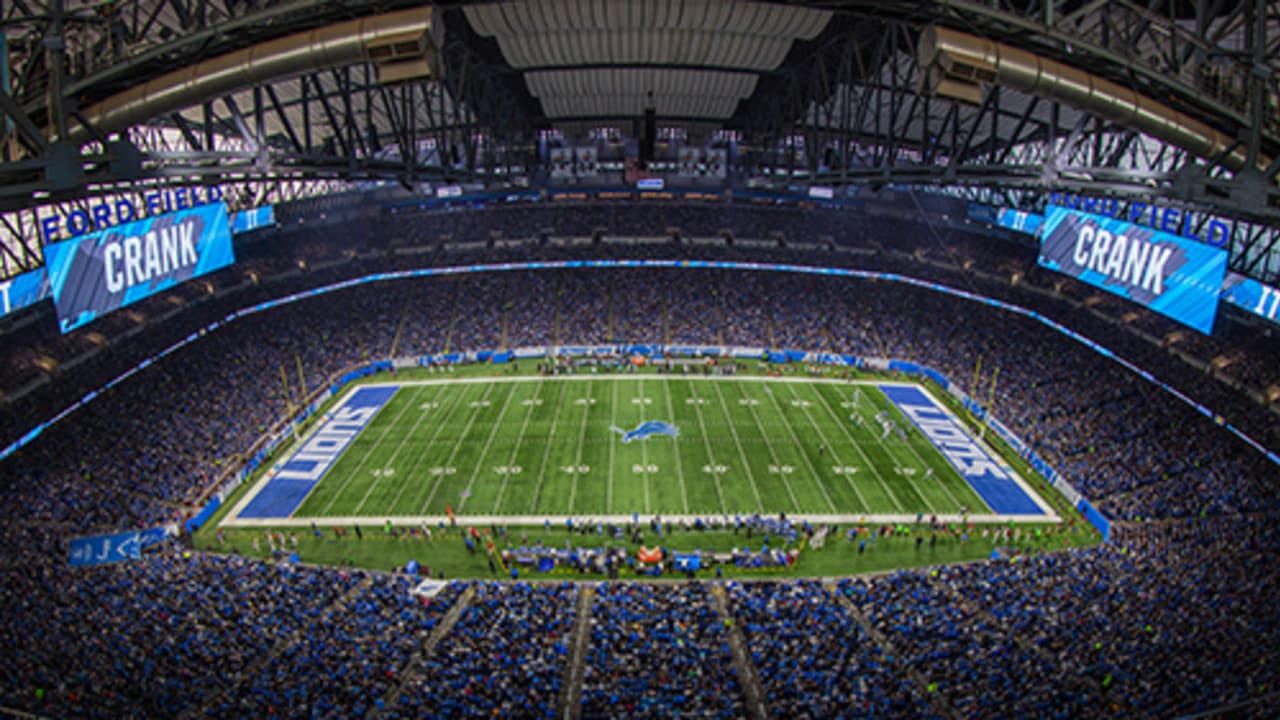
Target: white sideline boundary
[
  {"x": 557, "y": 521},
  {"x": 234, "y": 521}
]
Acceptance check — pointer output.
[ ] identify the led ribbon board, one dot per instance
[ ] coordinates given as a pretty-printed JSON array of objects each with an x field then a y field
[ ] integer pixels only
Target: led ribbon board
[
  {"x": 107, "y": 270},
  {"x": 1252, "y": 296},
  {"x": 22, "y": 290},
  {"x": 1173, "y": 276}
]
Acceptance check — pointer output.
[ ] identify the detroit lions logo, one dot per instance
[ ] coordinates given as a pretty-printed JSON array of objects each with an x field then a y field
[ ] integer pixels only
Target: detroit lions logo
[{"x": 647, "y": 430}]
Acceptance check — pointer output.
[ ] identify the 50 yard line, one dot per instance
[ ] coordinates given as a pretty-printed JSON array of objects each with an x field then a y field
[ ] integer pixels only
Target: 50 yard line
[{"x": 671, "y": 409}]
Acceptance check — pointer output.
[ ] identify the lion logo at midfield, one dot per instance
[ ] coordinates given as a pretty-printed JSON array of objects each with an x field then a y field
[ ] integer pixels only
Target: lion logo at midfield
[{"x": 647, "y": 430}]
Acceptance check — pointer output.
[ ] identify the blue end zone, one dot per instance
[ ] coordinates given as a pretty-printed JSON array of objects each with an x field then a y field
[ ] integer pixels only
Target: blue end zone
[
  {"x": 984, "y": 474},
  {"x": 297, "y": 476}
]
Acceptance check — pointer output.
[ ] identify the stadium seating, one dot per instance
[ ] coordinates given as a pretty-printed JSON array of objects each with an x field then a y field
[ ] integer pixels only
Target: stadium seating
[{"x": 1174, "y": 616}]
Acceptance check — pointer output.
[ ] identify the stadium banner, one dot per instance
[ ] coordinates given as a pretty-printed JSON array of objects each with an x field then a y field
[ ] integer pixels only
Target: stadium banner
[
  {"x": 104, "y": 549},
  {"x": 107, "y": 270},
  {"x": 157, "y": 535},
  {"x": 1171, "y": 275},
  {"x": 23, "y": 290},
  {"x": 252, "y": 219},
  {"x": 1252, "y": 297}
]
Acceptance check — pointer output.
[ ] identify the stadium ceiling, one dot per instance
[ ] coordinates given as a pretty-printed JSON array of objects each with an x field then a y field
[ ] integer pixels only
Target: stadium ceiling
[{"x": 831, "y": 91}]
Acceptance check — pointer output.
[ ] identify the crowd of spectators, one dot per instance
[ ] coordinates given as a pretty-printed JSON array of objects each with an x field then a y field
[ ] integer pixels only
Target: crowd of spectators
[
  {"x": 658, "y": 651},
  {"x": 505, "y": 657},
  {"x": 815, "y": 660},
  {"x": 1172, "y": 617}
]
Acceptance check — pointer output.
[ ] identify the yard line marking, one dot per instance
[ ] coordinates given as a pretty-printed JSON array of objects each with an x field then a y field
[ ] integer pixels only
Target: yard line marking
[
  {"x": 644, "y": 454},
  {"x": 484, "y": 451},
  {"x": 454, "y": 403},
  {"x": 751, "y": 407},
  {"x": 671, "y": 408},
  {"x": 741, "y": 453},
  {"x": 822, "y": 400},
  {"x": 711, "y": 456},
  {"x": 390, "y": 463},
  {"x": 800, "y": 449},
  {"x": 371, "y": 452},
  {"x": 834, "y": 454},
  {"x": 466, "y": 430},
  {"x": 582, "y": 437},
  {"x": 955, "y": 501},
  {"x": 613, "y": 420},
  {"x": 515, "y": 452},
  {"x": 890, "y": 449},
  {"x": 546, "y": 454}
]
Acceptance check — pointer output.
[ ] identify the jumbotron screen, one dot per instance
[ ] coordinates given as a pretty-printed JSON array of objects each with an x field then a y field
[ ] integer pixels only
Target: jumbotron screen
[
  {"x": 1173, "y": 276},
  {"x": 104, "y": 271}
]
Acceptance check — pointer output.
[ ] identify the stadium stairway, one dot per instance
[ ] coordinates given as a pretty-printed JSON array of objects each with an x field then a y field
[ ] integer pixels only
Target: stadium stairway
[
  {"x": 252, "y": 669},
  {"x": 410, "y": 675},
  {"x": 569, "y": 706},
  {"x": 747, "y": 674},
  {"x": 939, "y": 704}
]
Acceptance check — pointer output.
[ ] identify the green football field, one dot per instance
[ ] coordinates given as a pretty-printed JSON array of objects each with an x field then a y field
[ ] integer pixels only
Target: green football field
[{"x": 529, "y": 446}]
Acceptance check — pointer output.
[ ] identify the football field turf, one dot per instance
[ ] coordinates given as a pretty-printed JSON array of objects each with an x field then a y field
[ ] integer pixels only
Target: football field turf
[{"x": 610, "y": 445}]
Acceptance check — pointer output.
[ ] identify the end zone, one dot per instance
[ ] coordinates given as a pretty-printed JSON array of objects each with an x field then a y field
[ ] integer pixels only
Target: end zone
[
  {"x": 999, "y": 486},
  {"x": 289, "y": 482}
]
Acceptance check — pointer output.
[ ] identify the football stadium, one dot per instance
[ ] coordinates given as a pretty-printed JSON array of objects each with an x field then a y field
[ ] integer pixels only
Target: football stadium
[{"x": 640, "y": 359}]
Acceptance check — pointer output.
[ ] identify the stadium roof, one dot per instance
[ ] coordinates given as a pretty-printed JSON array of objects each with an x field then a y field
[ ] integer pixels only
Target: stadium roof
[{"x": 608, "y": 58}]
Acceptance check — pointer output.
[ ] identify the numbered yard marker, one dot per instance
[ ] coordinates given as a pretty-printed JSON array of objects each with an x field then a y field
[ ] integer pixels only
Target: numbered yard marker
[
  {"x": 906, "y": 471},
  {"x": 384, "y": 472},
  {"x": 715, "y": 469},
  {"x": 480, "y": 403},
  {"x": 801, "y": 403},
  {"x": 429, "y": 405},
  {"x": 748, "y": 401},
  {"x": 643, "y": 468},
  {"x": 508, "y": 469},
  {"x": 695, "y": 401},
  {"x": 577, "y": 469},
  {"x": 642, "y": 401},
  {"x": 844, "y": 470},
  {"x": 781, "y": 469},
  {"x": 531, "y": 402},
  {"x": 445, "y": 470},
  {"x": 585, "y": 401}
]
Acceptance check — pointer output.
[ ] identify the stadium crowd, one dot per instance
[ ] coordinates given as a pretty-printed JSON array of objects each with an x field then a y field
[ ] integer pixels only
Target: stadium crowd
[{"x": 1175, "y": 615}]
